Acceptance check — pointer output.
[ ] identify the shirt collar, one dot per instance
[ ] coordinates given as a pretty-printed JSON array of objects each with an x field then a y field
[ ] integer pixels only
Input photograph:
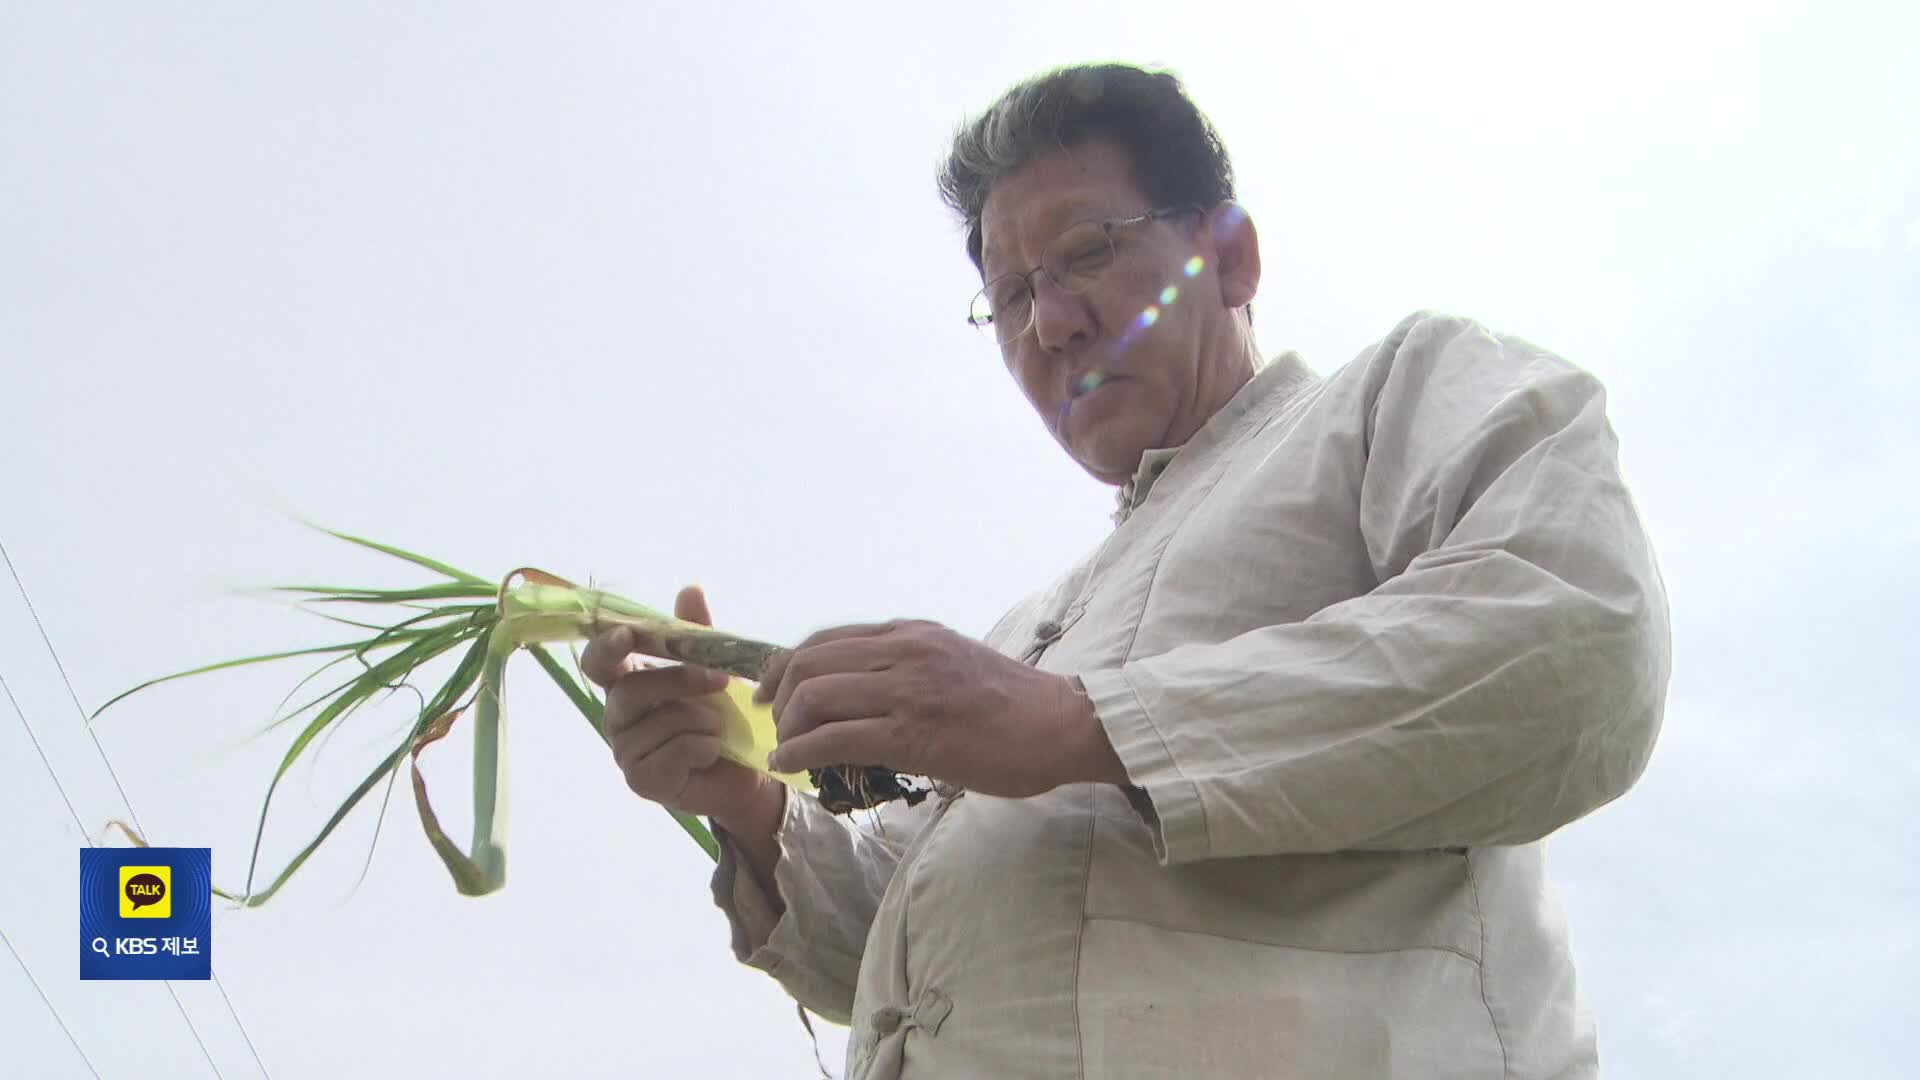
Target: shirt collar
[{"x": 1269, "y": 388}]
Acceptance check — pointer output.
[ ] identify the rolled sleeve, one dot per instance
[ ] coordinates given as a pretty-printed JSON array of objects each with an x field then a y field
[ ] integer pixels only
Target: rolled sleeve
[
  {"x": 810, "y": 931},
  {"x": 1167, "y": 799}
]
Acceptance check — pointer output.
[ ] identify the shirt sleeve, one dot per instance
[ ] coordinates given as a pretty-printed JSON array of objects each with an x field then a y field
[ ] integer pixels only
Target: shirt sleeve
[
  {"x": 1507, "y": 676},
  {"x": 808, "y": 927},
  {"x": 809, "y": 930}
]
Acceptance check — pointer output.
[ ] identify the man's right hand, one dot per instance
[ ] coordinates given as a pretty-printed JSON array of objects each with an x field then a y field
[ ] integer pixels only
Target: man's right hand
[{"x": 664, "y": 728}]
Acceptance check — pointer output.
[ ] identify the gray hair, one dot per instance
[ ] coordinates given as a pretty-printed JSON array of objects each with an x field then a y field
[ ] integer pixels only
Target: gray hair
[{"x": 1177, "y": 157}]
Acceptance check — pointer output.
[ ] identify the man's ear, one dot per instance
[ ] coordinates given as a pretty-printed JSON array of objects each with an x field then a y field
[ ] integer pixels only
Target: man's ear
[{"x": 1237, "y": 247}]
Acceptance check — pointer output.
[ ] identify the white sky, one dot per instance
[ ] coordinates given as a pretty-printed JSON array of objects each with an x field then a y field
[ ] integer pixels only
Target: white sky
[{"x": 653, "y": 296}]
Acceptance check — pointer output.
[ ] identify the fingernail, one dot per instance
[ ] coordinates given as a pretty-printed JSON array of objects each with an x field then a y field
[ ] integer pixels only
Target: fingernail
[{"x": 776, "y": 763}]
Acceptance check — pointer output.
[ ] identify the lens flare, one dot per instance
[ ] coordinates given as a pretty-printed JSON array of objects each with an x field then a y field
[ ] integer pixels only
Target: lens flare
[
  {"x": 1168, "y": 295},
  {"x": 1090, "y": 382}
]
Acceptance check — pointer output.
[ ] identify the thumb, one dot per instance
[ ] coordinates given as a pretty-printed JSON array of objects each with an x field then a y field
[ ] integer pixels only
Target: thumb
[{"x": 691, "y": 605}]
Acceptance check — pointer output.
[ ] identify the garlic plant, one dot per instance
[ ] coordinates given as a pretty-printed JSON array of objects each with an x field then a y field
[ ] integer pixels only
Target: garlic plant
[{"x": 485, "y": 623}]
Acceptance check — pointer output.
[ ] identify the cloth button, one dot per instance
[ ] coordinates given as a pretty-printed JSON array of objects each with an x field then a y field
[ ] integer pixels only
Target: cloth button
[
  {"x": 886, "y": 1020},
  {"x": 932, "y": 1011}
]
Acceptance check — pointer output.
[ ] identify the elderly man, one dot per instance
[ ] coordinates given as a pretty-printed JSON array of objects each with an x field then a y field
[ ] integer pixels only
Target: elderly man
[{"x": 1258, "y": 787}]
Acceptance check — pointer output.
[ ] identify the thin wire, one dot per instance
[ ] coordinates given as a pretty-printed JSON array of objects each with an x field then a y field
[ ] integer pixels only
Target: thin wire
[
  {"x": 31, "y": 737},
  {"x": 62, "y": 668},
  {"x": 244, "y": 1037},
  {"x": 38, "y": 749},
  {"x": 131, "y": 813},
  {"x": 171, "y": 992},
  {"x": 64, "y": 1029}
]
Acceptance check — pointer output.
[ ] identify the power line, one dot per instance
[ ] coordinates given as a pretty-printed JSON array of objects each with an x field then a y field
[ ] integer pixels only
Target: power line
[
  {"x": 21, "y": 960},
  {"x": 244, "y": 1037},
  {"x": 68, "y": 1032},
  {"x": 38, "y": 749},
  {"x": 131, "y": 813},
  {"x": 62, "y": 668},
  {"x": 171, "y": 992}
]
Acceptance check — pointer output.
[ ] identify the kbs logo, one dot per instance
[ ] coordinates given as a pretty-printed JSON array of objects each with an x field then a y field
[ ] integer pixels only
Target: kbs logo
[
  {"x": 146, "y": 913},
  {"x": 145, "y": 892}
]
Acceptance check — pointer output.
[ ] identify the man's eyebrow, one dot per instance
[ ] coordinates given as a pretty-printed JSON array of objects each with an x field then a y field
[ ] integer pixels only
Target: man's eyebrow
[{"x": 1068, "y": 213}]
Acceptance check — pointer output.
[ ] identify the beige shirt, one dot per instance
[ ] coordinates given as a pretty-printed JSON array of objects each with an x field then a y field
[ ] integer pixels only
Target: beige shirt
[{"x": 1361, "y": 644}]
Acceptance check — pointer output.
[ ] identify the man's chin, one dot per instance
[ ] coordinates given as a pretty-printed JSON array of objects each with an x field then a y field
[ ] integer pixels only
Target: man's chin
[{"x": 1107, "y": 463}]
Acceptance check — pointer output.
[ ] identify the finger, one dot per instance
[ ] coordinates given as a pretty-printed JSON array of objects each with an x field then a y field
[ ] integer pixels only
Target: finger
[
  {"x": 659, "y": 727},
  {"x": 611, "y": 654},
  {"x": 602, "y": 659},
  {"x": 605, "y": 657},
  {"x": 834, "y": 697},
  {"x": 665, "y": 772},
  {"x": 770, "y": 675},
  {"x": 873, "y": 740},
  {"x": 691, "y": 605},
  {"x": 776, "y": 669},
  {"x": 636, "y": 693},
  {"x": 831, "y": 655},
  {"x": 842, "y": 656}
]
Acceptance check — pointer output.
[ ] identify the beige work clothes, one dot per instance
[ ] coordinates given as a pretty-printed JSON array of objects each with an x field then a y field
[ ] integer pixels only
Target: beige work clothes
[{"x": 1361, "y": 643}]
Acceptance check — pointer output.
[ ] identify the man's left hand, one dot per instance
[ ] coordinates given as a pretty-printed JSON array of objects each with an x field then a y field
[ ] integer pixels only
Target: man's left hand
[{"x": 921, "y": 699}]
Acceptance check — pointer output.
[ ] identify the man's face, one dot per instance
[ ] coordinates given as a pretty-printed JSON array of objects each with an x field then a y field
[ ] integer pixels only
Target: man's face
[{"x": 1130, "y": 364}]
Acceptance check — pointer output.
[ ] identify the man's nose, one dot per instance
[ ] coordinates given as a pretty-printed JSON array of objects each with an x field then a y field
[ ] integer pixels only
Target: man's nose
[{"x": 1062, "y": 321}]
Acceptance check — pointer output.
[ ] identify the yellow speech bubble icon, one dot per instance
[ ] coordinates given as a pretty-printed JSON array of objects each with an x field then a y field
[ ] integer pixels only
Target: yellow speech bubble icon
[{"x": 146, "y": 892}]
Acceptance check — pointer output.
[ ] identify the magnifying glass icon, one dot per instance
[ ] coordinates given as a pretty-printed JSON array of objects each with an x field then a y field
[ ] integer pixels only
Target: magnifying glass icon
[{"x": 100, "y": 946}]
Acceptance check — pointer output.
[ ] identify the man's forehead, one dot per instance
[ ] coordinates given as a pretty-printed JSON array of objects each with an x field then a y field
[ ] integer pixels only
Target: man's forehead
[{"x": 1091, "y": 179}]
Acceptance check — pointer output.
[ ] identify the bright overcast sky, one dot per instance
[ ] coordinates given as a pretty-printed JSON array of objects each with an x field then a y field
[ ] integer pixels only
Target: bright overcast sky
[{"x": 662, "y": 293}]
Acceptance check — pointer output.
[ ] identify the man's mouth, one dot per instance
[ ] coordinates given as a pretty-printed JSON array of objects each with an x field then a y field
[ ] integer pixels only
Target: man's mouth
[
  {"x": 1087, "y": 384},
  {"x": 1084, "y": 385}
]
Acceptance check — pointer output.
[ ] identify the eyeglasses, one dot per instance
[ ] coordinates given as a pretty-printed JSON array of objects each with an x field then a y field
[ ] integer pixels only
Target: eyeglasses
[{"x": 1074, "y": 261}]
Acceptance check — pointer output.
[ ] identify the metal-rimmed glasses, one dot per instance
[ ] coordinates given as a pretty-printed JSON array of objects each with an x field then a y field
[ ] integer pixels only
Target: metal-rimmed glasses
[{"x": 1074, "y": 261}]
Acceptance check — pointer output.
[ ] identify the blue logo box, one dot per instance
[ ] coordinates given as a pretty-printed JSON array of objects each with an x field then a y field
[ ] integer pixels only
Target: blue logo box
[{"x": 146, "y": 913}]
